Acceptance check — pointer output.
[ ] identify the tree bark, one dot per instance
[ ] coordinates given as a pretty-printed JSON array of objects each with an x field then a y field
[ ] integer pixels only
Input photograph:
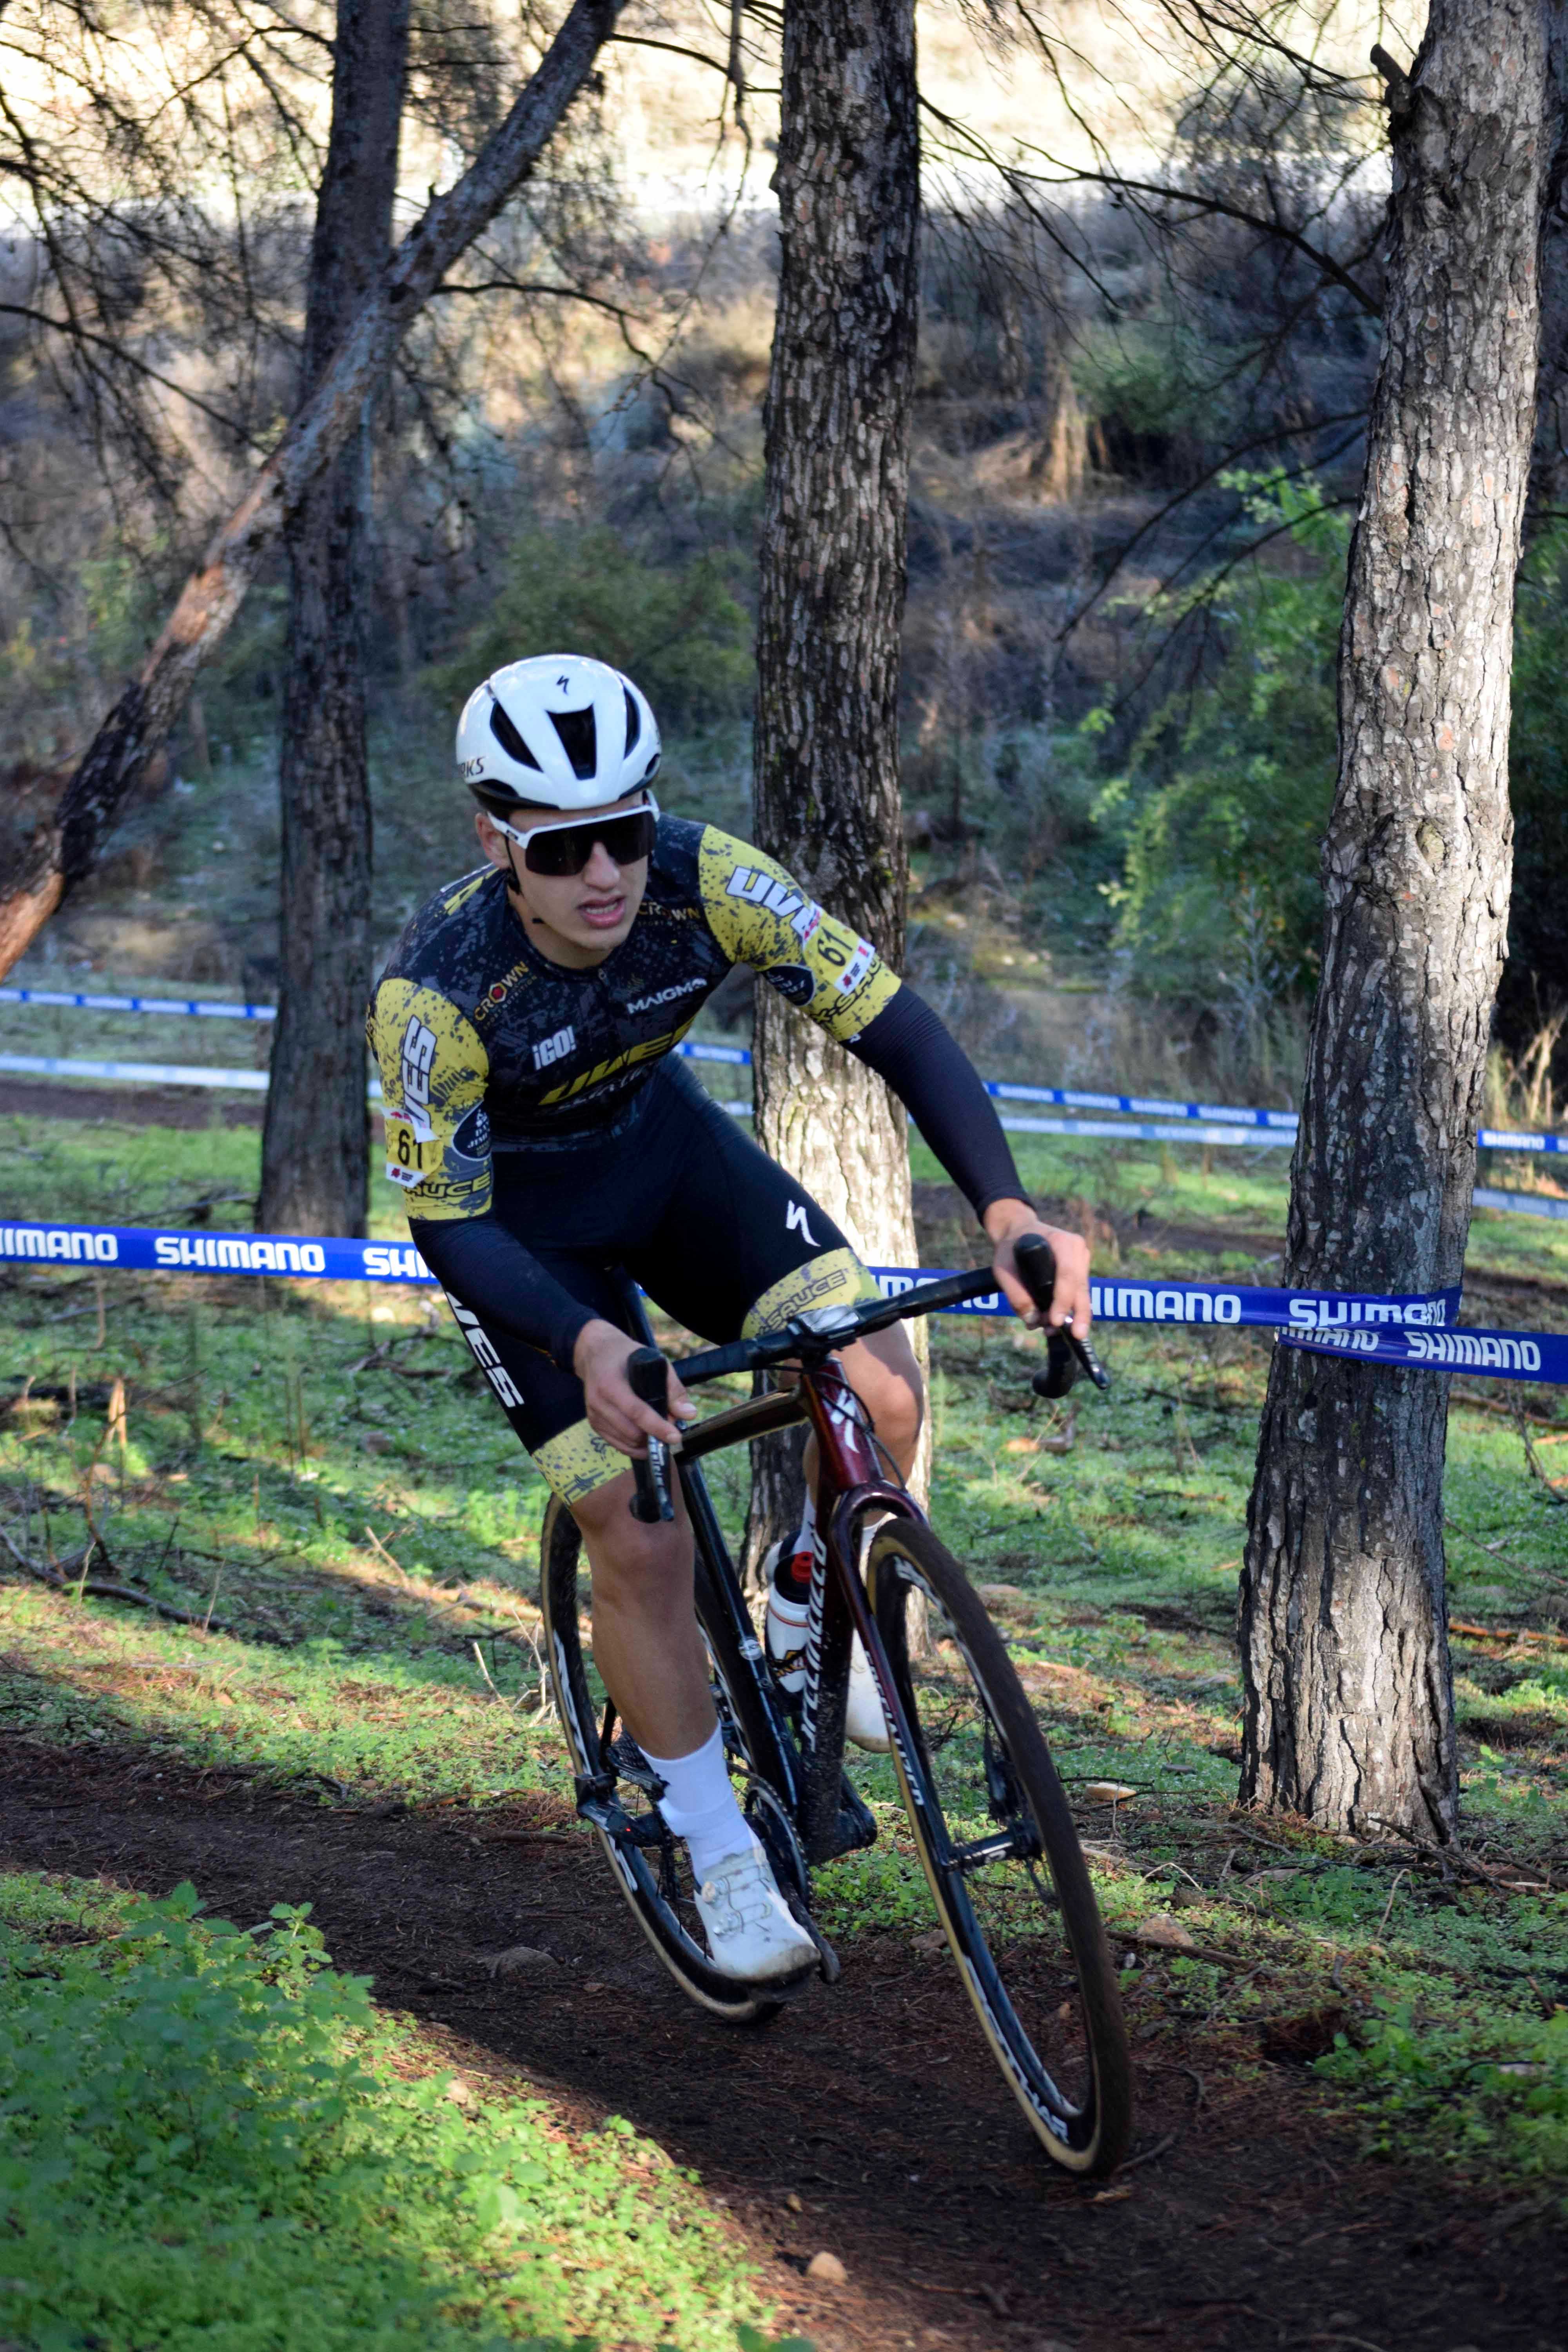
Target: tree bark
[
  {"x": 139, "y": 721},
  {"x": 315, "y": 1159},
  {"x": 826, "y": 773},
  {"x": 1349, "y": 1700}
]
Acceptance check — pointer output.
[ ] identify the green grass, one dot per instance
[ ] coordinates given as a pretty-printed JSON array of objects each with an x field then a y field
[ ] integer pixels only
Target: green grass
[
  {"x": 317, "y": 1467},
  {"x": 210, "y": 2139}
]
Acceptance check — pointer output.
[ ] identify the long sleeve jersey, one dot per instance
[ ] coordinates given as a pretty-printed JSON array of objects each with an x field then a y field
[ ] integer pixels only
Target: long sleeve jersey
[{"x": 487, "y": 1047}]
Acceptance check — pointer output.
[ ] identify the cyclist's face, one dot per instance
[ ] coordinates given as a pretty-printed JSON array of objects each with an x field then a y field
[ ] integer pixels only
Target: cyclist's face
[{"x": 572, "y": 918}]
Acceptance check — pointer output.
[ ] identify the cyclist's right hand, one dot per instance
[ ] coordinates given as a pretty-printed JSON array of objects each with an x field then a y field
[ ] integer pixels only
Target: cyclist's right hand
[{"x": 614, "y": 1412}]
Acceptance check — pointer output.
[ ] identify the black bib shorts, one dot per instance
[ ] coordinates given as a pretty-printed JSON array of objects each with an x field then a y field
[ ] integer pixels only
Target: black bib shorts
[{"x": 716, "y": 1233}]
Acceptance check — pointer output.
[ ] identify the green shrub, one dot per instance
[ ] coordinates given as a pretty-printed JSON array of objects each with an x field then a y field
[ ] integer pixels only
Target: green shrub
[
  {"x": 204, "y": 2141},
  {"x": 1491, "y": 2089},
  {"x": 1226, "y": 796},
  {"x": 677, "y": 630},
  {"x": 1150, "y": 392}
]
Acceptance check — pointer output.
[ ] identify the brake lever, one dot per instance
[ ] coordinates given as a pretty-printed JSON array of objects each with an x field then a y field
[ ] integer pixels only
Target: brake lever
[
  {"x": 1067, "y": 1360},
  {"x": 647, "y": 1375},
  {"x": 1067, "y": 1357}
]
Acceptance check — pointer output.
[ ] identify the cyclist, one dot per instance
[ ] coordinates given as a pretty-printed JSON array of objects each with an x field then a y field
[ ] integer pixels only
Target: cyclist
[{"x": 544, "y": 1130}]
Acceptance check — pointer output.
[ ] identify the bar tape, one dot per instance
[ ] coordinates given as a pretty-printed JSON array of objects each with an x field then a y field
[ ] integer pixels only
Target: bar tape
[{"x": 1404, "y": 1328}]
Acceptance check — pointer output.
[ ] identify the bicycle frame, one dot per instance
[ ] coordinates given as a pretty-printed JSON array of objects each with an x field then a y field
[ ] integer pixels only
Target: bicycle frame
[{"x": 828, "y": 1818}]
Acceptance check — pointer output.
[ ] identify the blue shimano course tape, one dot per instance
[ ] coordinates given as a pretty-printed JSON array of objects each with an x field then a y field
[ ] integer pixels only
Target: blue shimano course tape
[
  {"x": 1408, "y": 1329},
  {"x": 81, "y": 1001}
]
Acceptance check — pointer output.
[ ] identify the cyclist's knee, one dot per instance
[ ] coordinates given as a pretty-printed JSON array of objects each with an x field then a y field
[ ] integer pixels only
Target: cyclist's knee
[
  {"x": 635, "y": 1562},
  {"x": 887, "y": 1379}
]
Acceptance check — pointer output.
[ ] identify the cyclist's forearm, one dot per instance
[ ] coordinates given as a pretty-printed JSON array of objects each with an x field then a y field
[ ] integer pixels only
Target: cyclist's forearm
[
  {"x": 928, "y": 1070},
  {"x": 490, "y": 1270}
]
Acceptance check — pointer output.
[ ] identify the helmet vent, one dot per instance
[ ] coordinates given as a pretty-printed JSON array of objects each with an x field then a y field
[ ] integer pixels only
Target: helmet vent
[
  {"x": 634, "y": 721},
  {"x": 507, "y": 737},
  {"x": 579, "y": 739}
]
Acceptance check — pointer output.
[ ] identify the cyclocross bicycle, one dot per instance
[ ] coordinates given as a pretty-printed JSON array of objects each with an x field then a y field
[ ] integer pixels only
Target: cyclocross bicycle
[{"x": 984, "y": 1809}]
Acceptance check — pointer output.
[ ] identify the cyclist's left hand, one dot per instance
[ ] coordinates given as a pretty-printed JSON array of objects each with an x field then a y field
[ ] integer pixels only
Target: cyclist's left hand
[{"x": 1004, "y": 1220}]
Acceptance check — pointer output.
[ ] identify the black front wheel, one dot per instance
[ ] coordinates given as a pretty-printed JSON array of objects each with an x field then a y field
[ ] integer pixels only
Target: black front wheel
[
  {"x": 993, "y": 1832},
  {"x": 651, "y": 1870}
]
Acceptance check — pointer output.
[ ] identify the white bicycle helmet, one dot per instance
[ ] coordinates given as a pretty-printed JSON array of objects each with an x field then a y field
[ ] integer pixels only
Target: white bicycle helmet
[{"x": 557, "y": 731}]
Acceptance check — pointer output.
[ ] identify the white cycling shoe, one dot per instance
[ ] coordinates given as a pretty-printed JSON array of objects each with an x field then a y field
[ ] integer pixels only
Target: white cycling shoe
[
  {"x": 864, "y": 1721},
  {"x": 751, "y": 1934}
]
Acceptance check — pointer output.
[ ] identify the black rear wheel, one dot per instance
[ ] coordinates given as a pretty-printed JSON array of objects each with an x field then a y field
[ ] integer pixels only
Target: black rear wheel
[
  {"x": 651, "y": 1870},
  {"x": 997, "y": 1841}
]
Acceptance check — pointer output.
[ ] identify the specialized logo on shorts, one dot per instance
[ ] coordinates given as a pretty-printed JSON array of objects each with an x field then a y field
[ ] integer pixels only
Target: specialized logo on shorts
[
  {"x": 418, "y": 1052},
  {"x": 555, "y": 1048},
  {"x": 795, "y": 1222},
  {"x": 484, "y": 1355}
]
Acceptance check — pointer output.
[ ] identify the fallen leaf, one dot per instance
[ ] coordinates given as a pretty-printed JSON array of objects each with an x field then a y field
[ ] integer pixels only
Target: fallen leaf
[
  {"x": 1109, "y": 1792},
  {"x": 998, "y": 1596},
  {"x": 1022, "y": 1446},
  {"x": 828, "y": 2270},
  {"x": 1111, "y": 2196},
  {"x": 793, "y": 2203}
]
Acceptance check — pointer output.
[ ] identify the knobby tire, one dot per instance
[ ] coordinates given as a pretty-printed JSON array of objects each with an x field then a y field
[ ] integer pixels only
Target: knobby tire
[{"x": 1033, "y": 1959}]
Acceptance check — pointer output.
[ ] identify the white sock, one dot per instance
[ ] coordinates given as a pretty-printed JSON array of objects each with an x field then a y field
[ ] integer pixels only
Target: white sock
[{"x": 698, "y": 1803}]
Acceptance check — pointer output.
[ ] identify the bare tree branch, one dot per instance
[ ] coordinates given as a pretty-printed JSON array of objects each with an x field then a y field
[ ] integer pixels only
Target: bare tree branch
[{"x": 140, "y": 722}]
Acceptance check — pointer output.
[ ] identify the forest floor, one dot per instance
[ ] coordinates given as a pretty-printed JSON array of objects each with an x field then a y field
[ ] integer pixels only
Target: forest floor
[{"x": 1352, "y": 2061}]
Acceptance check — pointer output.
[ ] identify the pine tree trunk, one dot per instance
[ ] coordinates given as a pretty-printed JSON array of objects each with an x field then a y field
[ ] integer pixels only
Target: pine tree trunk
[
  {"x": 827, "y": 743},
  {"x": 1349, "y": 1700},
  {"x": 314, "y": 1155}
]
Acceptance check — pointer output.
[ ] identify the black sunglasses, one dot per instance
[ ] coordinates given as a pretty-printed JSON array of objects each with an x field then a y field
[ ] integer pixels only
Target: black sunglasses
[{"x": 558, "y": 850}]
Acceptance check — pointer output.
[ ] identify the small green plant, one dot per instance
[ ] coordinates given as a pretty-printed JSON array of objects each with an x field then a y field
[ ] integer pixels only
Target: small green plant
[
  {"x": 207, "y": 2140},
  {"x": 1471, "y": 2091}
]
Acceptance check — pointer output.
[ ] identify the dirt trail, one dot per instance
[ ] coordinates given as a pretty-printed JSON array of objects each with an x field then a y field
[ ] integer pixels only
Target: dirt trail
[{"x": 873, "y": 2102}]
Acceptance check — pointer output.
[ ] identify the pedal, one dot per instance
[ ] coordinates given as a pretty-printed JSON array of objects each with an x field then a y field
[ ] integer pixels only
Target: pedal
[{"x": 593, "y": 1788}]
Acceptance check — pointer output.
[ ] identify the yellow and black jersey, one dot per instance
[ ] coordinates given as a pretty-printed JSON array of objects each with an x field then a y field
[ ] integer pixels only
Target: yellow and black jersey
[
  {"x": 505, "y": 1075},
  {"x": 487, "y": 1046}
]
